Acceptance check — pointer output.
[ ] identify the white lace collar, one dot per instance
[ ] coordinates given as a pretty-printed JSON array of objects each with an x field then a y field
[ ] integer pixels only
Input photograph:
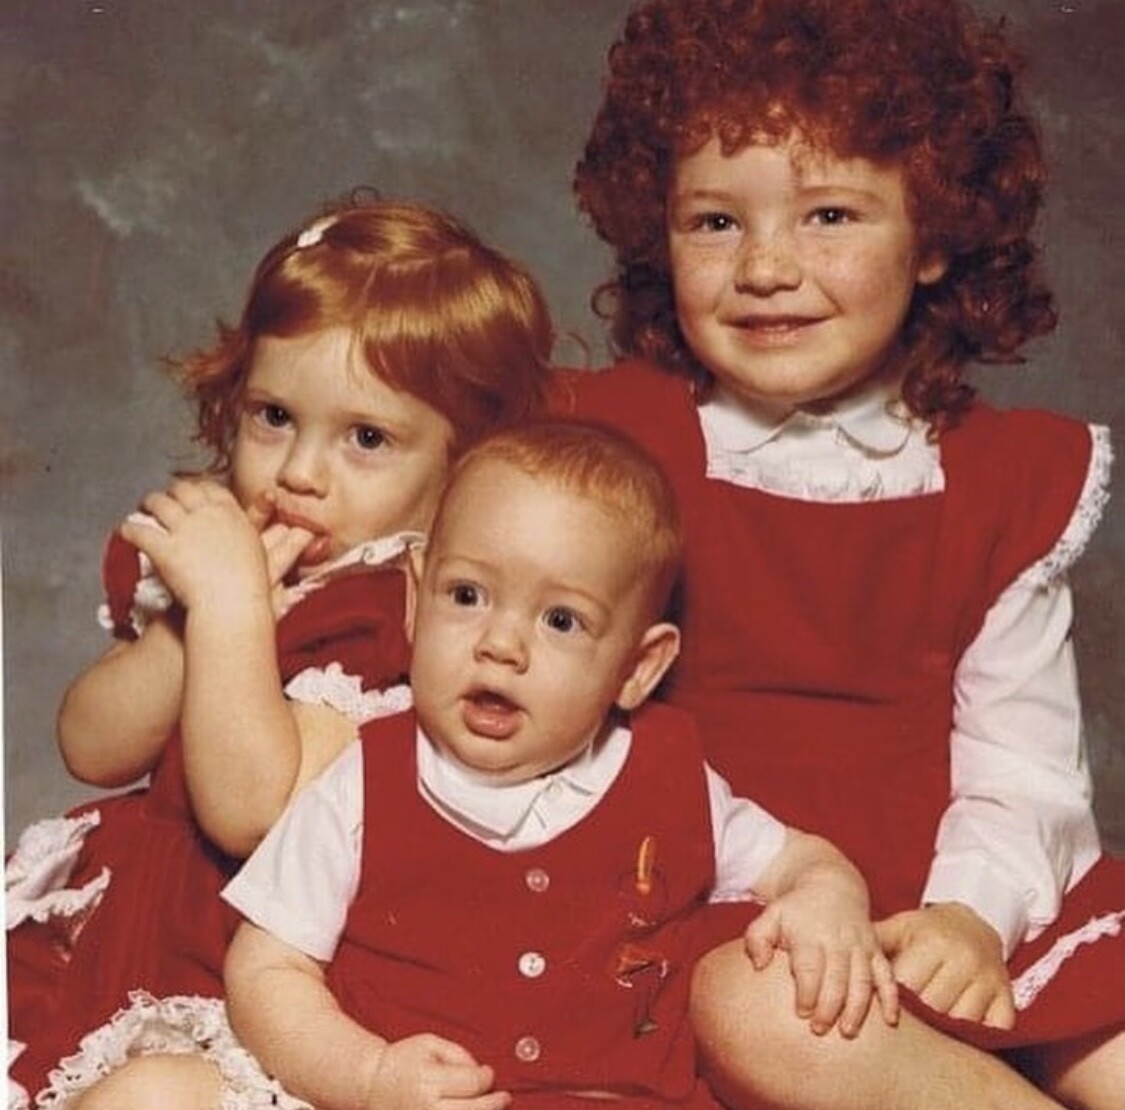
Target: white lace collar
[
  {"x": 873, "y": 419},
  {"x": 371, "y": 553}
]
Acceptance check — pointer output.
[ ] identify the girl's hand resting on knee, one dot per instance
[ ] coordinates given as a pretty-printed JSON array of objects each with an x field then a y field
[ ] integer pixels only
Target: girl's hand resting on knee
[
  {"x": 953, "y": 960},
  {"x": 817, "y": 911}
]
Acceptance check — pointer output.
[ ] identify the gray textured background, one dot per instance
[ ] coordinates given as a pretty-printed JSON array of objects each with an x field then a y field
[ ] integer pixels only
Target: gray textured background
[{"x": 153, "y": 151}]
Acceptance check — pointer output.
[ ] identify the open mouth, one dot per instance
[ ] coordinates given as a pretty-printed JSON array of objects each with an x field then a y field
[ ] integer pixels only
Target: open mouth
[{"x": 490, "y": 714}]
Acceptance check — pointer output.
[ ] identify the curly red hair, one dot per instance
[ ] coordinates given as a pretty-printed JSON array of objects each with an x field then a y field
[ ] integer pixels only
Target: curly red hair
[
  {"x": 437, "y": 313},
  {"x": 923, "y": 84}
]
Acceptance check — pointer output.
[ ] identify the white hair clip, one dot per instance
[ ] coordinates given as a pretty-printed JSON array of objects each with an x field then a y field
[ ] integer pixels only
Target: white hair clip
[{"x": 314, "y": 232}]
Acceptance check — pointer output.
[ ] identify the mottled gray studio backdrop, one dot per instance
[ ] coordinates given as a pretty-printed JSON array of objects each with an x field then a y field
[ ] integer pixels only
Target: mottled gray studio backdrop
[{"x": 152, "y": 151}]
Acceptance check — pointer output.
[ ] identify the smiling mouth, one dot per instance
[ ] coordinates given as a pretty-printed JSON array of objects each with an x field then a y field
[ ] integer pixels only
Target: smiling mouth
[
  {"x": 773, "y": 329},
  {"x": 490, "y": 714}
]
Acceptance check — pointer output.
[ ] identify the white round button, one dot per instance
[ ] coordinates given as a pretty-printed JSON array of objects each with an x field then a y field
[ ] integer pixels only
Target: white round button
[
  {"x": 537, "y": 880},
  {"x": 532, "y": 964},
  {"x": 527, "y": 1050}
]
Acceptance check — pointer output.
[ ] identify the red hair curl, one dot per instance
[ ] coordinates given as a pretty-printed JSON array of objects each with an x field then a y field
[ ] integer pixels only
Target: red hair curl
[{"x": 922, "y": 84}]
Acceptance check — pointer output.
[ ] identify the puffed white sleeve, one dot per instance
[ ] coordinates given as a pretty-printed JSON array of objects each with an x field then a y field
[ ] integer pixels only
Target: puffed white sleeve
[
  {"x": 1019, "y": 830},
  {"x": 747, "y": 840},
  {"x": 301, "y": 879}
]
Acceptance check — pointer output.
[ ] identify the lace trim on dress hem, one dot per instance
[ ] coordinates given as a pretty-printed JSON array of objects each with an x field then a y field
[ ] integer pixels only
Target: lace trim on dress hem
[
  {"x": 179, "y": 1025},
  {"x": 1085, "y": 518},
  {"x": 1026, "y": 987}
]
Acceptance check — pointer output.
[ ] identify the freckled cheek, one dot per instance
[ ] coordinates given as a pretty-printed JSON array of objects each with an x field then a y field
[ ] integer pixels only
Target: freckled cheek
[
  {"x": 862, "y": 278},
  {"x": 696, "y": 282}
]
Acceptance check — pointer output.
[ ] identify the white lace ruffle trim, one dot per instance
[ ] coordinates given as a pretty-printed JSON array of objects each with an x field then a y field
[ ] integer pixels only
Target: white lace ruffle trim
[
  {"x": 181, "y": 1024},
  {"x": 150, "y": 596},
  {"x": 37, "y": 872},
  {"x": 1085, "y": 518},
  {"x": 1026, "y": 987},
  {"x": 330, "y": 686}
]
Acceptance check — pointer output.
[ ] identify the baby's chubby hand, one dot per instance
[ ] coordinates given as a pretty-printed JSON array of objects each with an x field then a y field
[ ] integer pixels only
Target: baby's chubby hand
[
  {"x": 953, "y": 960},
  {"x": 834, "y": 956},
  {"x": 427, "y": 1072}
]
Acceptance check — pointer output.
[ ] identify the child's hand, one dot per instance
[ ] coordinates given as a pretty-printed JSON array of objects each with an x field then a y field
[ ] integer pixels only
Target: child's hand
[
  {"x": 953, "y": 960},
  {"x": 426, "y": 1072},
  {"x": 834, "y": 956},
  {"x": 208, "y": 552},
  {"x": 283, "y": 544}
]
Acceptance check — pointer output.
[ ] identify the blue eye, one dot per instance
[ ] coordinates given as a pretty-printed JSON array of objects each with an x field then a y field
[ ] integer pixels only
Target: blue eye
[
  {"x": 561, "y": 619},
  {"x": 369, "y": 438}
]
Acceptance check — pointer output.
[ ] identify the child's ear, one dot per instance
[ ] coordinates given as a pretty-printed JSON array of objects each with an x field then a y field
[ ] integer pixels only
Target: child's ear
[
  {"x": 655, "y": 653},
  {"x": 932, "y": 268},
  {"x": 415, "y": 564}
]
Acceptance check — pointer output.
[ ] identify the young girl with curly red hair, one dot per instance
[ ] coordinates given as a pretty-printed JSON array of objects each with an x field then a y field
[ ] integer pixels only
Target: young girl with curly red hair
[
  {"x": 821, "y": 214},
  {"x": 258, "y": 628}
]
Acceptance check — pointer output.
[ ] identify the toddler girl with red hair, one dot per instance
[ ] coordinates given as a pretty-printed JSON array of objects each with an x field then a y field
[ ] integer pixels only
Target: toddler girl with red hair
[{"x": 258, "y": 613}]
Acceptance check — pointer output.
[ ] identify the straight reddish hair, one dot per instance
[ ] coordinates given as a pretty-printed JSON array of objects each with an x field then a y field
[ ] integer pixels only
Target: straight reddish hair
[{"x": 435, "y": 312}]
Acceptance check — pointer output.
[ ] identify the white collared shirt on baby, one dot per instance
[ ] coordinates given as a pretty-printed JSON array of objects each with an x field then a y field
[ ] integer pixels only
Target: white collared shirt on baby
[{"x": 302, "y": 878}]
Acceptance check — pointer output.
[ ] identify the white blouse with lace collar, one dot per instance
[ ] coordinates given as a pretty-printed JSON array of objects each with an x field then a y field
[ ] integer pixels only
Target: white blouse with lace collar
[
  {"x": 1019, "y": 830},
  {"x": 865, "y": 448}
]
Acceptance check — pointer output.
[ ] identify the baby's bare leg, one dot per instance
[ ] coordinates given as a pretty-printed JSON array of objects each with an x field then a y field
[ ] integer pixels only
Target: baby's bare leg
[
  {"x": 758, "y": 1049},
  {"x": 168, "y": 1082}
]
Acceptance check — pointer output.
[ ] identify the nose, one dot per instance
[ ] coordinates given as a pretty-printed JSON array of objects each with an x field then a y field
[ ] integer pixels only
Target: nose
[
  {"x": 502, "y": 641},
  {"x": 767, "y": 263},
  {"x": 304, "y": 469}
]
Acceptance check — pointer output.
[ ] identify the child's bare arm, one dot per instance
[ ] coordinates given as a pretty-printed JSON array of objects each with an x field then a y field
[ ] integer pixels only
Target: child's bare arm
[
  {"x": 817, "y": 910},
  {"x": 241, "y": 745},
  {"x": 115, "y": 717},
  {"x": 282, "y": 1010}
]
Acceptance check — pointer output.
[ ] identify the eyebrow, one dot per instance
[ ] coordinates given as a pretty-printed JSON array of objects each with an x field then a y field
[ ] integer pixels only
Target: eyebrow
[{"x": 717, "y": 195}]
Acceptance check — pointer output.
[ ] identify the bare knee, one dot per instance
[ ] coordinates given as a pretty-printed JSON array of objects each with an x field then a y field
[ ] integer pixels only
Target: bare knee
[
  {"x": 161, "y": 1082},
  {"x": 750, "y": 1039},
  {"x": 1086, "y": 1074}
]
